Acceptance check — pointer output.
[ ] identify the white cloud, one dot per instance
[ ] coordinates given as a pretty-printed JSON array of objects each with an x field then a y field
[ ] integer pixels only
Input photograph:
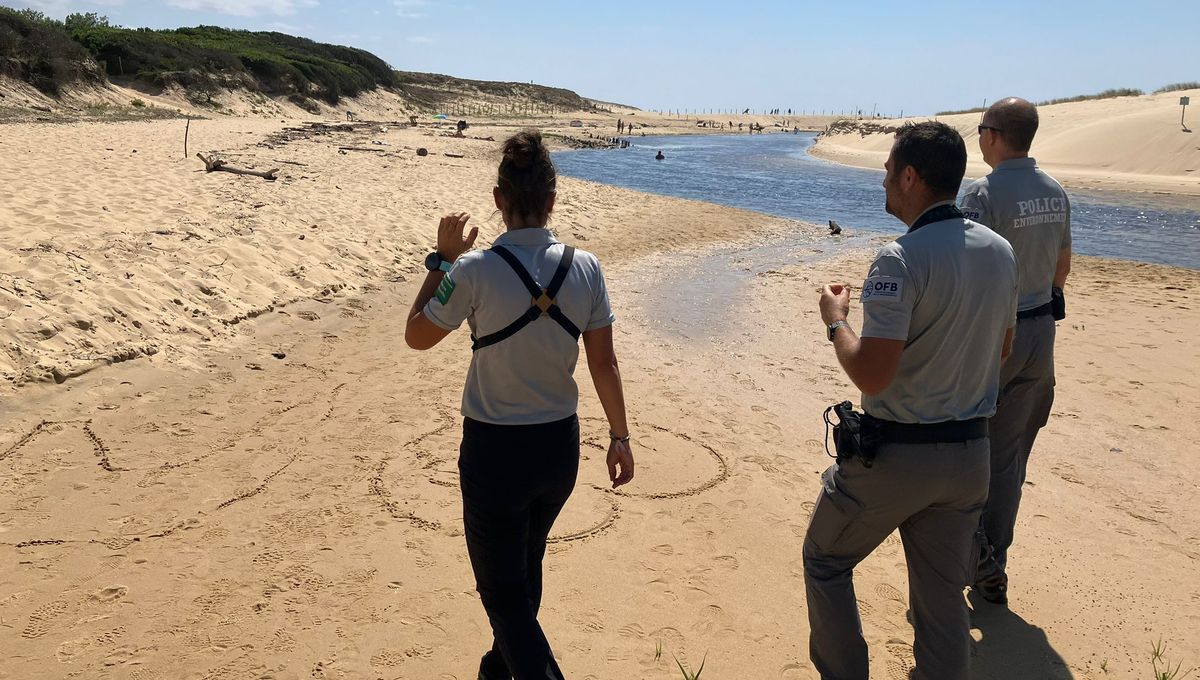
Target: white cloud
[
  {"x": 284, "y": 27},
  {"x": 244, "y": 8},
  {"x": 411, "y": 9},
  {"x": 60, "y": 8}
]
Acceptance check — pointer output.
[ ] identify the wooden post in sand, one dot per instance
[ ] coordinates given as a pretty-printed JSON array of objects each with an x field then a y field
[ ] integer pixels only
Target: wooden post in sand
[{"x": 186, "y": 129}]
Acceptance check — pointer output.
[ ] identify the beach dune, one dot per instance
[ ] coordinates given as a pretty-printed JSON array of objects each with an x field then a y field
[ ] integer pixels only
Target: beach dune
[{"x": 1124, "y": 143}]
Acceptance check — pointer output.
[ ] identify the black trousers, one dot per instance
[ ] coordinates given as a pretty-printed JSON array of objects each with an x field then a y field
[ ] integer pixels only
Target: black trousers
[{"x": 515, "y": 480}]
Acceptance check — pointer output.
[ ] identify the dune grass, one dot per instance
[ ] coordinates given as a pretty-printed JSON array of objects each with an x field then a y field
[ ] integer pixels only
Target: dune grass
[
  {"x": 1162, "y": 666},
  {"x": 689, "y": 675},
  {"x": 1107, "y": 94},
  {"x": 1176, "y": 87},
  {"x": 977, "y": 109}
]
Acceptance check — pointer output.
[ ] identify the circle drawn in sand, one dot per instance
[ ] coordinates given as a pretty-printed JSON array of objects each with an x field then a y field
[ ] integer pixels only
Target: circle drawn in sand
[
  {"x": 588, "y": 512},
  {"x": 422, "y": 486},
  {"x": 670, "y": 464}
]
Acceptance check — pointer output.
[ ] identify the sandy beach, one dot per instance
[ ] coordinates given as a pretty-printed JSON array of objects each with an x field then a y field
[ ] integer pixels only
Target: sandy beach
[
  {"x": 1128, "y": 144},
  {"x": 219, "y": 460}
]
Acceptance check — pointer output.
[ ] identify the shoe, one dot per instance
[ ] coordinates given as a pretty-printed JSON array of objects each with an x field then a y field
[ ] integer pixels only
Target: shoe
[
  {"x": 492, "y": 667},
  {"x": 990, "y": 580},
  {"x": 993, "y": 589}
]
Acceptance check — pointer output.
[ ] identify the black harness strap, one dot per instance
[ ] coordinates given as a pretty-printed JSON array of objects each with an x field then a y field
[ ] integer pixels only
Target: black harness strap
[
  {"x": 543, "y": 299},
  {"x": 942, "y": 212}
]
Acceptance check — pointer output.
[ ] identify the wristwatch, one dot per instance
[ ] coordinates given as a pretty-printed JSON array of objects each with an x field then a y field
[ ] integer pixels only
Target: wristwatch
[
  {"x": 434, "y": 262},
  {"x": 836, "y": 325}
]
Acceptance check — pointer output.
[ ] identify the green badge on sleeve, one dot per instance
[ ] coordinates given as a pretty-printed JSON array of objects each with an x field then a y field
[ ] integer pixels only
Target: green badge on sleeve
[{"x": 445, "y": 289}]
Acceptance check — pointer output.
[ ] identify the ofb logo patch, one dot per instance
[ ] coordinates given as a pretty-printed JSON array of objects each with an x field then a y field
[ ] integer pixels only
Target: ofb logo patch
[
  {"x": 445, "y": 289},
  {"x": 882, "y": 288}
]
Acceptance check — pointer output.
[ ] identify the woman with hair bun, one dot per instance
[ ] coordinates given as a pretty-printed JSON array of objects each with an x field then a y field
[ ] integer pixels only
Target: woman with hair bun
[{"x": 527, "y": 301}]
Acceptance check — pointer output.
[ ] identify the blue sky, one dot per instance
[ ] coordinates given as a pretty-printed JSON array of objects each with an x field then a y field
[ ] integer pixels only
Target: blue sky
[{"x": 916, "y": 57}]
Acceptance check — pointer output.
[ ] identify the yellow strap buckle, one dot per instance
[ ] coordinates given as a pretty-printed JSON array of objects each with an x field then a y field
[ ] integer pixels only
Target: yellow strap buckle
[{"x": 544, "y": 302}]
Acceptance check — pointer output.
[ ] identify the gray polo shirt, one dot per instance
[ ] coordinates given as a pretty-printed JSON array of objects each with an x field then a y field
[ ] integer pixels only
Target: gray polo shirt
[
  {"x": 528, "y": 378},
  {"x": 949, "y": 291},
  {"x": 1029, "y": 209}
]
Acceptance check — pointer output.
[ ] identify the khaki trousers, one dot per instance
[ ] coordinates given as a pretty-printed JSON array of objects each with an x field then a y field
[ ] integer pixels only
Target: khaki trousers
[
  {"x": 933, "y": 493},
  {"x": 1026, "y": 395}
]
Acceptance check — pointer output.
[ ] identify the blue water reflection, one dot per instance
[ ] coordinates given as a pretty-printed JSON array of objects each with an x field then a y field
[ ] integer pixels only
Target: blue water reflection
[{"x": 774, "y": 174}]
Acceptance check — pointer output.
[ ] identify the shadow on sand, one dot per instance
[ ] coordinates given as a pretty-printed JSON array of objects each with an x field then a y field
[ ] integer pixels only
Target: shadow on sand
[{"x": 1011, "y": 648}]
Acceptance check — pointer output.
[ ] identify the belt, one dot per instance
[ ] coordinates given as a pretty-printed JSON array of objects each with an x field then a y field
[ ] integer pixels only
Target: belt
[
  {"x": 949, "y": 432},
  {"x": 1045, "y": 310}
]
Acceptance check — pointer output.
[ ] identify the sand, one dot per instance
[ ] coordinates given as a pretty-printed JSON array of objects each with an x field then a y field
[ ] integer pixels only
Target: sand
[
  {"x": 265, "y": 486},
  {"x": 1131, "y": 144}
]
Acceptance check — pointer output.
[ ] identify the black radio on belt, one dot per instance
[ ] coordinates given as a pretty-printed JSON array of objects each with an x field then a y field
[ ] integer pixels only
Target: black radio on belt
[
  {"x": 1058, "y": 304},
  {"x": 859, "y": 435},
  {"x": 855, "y": 436}
]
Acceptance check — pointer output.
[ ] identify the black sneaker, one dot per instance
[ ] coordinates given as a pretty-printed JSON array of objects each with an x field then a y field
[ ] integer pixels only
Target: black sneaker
[
  {"x": 492, "y": 667},
  {"x": 993, "y": 589},
  {"x": 990, "y": 580}
]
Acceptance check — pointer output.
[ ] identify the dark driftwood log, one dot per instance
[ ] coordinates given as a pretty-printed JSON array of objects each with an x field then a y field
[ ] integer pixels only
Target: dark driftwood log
[{"x": 215, "y": 164}]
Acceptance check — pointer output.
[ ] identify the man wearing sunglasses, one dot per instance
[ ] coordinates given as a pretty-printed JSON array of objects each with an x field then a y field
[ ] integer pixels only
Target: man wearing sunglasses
[{"x": 1029, "y": 209}]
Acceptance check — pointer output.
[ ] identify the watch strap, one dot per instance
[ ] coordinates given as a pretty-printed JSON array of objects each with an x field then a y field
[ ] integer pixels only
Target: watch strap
[
  {"x": 445, "y": 265},
  {"x": 836, "y": 325}
]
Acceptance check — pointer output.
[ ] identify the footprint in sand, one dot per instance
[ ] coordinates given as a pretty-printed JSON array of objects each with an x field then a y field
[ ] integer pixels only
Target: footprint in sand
[
  {"x": 900, "y": 662},
  {"x": 387, "y": 658},
  {"x": 632, "y": 630},
  {"x": 887, "y": 591},
  {"x": 110, "y": 594},
  {"x": 41, "y": 619}
]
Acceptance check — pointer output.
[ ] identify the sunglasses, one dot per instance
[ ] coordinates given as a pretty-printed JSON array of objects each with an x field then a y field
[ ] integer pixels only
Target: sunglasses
[{"x": 988, "y": 127}]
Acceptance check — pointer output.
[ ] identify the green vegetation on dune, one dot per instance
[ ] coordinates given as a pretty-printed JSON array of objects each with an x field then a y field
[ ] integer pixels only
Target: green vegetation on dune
[
  {"x": 208, "y": 56},
  {"x": 49, "y": 54},
  {"x": 37, "y": 50},
  {"x": 432, "y": 90}
]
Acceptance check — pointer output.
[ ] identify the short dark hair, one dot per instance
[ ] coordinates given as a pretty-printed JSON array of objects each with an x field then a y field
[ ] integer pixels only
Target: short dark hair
[
  {"x": 1017, "y": 121},
  {"x": 527, "y": 176},
  {"x": 935, "y": 151}
]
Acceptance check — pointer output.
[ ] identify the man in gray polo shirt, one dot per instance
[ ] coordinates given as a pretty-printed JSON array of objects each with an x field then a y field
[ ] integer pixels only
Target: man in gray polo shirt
[
  {"x": 1031, "y": 210},
  {"x": 939, "y": 304}
]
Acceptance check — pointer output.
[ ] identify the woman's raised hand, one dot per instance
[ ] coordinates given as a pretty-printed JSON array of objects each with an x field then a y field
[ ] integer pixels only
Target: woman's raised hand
[{"x": 450, "y": 241}]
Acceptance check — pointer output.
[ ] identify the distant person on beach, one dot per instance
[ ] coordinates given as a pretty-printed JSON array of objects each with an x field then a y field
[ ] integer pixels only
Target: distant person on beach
[
  {"x": 1030, "y": 209},
  {"x": 659, "y": 156},
  {"x": 527, "y": 300},
  {"x": 939, "y": 304}
]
